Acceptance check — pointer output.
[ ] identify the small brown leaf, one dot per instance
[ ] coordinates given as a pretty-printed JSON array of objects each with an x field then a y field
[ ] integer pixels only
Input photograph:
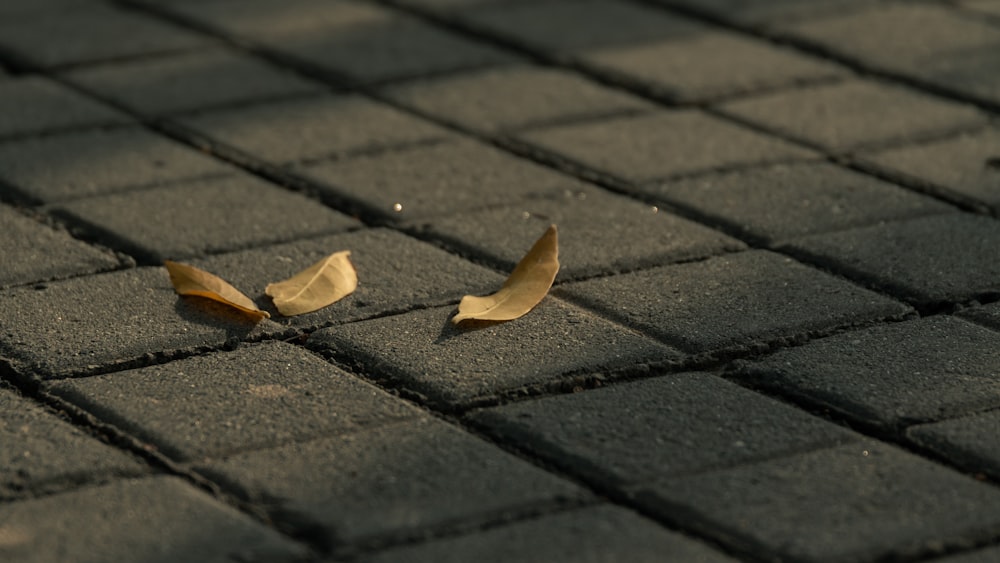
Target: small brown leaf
[
  {"x": 526, "y": 287},
  {"x": 189, "y": 280},
  {"x": 324, "y": 283}
]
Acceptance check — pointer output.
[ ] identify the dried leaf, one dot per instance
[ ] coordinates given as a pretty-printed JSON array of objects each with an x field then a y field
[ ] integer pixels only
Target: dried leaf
[
  {"x": 325, "y": 282},
  {"x": 189, "y": 280},
  {"x": 525, "y": 288}
]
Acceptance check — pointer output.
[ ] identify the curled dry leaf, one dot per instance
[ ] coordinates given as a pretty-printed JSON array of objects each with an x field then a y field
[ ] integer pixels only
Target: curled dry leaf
[
  {"x": 324, "y": 283},
  {"x": 189, "y": 280},
  {"x": 526, "y": 287}
]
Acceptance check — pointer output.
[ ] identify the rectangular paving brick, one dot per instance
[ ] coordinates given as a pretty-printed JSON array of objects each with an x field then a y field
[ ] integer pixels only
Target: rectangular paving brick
[
  {"x": 928, "y": 261},
  {"x": 190, "y": 81},
  {"x": 258, "y": 396},
  {"x": 33, "y": 104},
  {"x": 282, "y": 132},
  {"x": 91, "y": 34},
  {"x": 98, "y": 322},
  {"x": 129, "y": 520},
  {"x": 599, "y": 233},
  {"x": 589, "y": 535},
  {"x": 656, "y": 146},
  {"x": 969, "y": 442},
  {"x": 866, "y": 501},
  {"x": 396, "y": 273},
  {"x": 86, "y": 163},
  {"x": 648, "y": 430},
  {"x": 202, "y": 216},
  {"x": 514, "y": 97},
  {"x": 851, "y": 114},
  {"x": 36, "y": 253},
  {"x": 891, "y": 375},
  {"x": 448, "y": 366},
  {"x": 737, "y": 301},
  {"x": 440, "y": 179},
  {"x": 770, "y": 204},
  {"x": 41, "y": 452},
  {"x": 392, "y": 479},
  {"x": 964, "y": 168}
]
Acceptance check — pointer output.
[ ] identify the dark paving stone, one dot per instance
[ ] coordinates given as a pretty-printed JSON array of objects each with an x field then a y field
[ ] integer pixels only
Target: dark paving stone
[
  {"x": 929, "y": 42},
  {"x": 95, "y": 33},
  {"x": 42, "y": 452},
  {"x": 390, "y": 479},
  {"x": 312, "y": 128},
  {"x": 102, "y": 321},
  {"x": 33, "y": 104},
  {"x": 892, "y": 375},
  {"x": 710, "y": 64},
  {"x": 88, "y": 163},
  {"x": 203, "y": 216},
  {"x": 514, "y": 97},
  {"x": 424, "y": 353},
  {"x": 128, "y": 521},
  {"x": 591, "y": 535},
  {"x": 988, "y": 315},
  {"x": 35, "y": 252},
  {"x": 190, "y": 81},
  {"x": 987, "y": 555},
  {"x": 259, "y": 396},
  {"x": 655, "y": 146},
  {"x": 854, "y": 113},
  {"x": 395, "y": 273},
  {"x": 644, "y": 431},
  {"x": 38, "y": 7},
  {"x": 599, "y": 233},
  {"x": 964, "y": 168},
  {"x": 928, "y": 261},
  {"x": 732, "y": 301},
  {"x": 435, "y": 180},
  {"x": 775, "y": 203},
  {"x": 969, "y": 442},
  {"x": 769, "y": 12},
  {"x": 857, "y": 502},
  {"x": 360, "y": 41}
]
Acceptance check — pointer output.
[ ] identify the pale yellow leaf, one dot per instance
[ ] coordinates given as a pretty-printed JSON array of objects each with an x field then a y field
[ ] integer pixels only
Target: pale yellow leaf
[
  {"x": 526, "y": 287},
  {"x": 324, "y": 283},
  {"x": 189, "y": 280}
]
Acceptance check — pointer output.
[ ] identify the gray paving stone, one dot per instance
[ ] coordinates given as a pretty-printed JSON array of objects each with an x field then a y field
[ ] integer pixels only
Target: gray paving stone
[
  {"x": 661, "y": 145},
  {"x": 87, "y": 163},
  {"x": 769, "y": 204},
  {"x": 190, "y": 81},
  {"x": 202, "y": 216},
  {"x": 83, "y": 324},
  {"x": 854, "y": 113},
  {"x": 928, "y": 261},
  {"x": 33, "y": 104},
  {"x": 35, "y": 252},
  {"x": 710, "y": 64},
  {"x": 389, "y": 479},
  {"x": 988, "y": 315},
  {"x": 733, "y": 301},
  {"x": 767, "y": 13},
  {"x": 644, "y": 431},
  {"x": 94, "y": 33},
  {"x": 42, "y": 452},
  {"x": 892, "y": 375},
  {"x": 987, "y": 7},
  {"x": 258, "y": 396},
  {"x": 965, "y": 168},
  {"x": 129, "y": 520},
  {"x": 425, "y": 354},
  {"x": 599, "y": 233},
  {"x": 311, "y": 128},
  {"x": 513, "y": 97},
  {"x": 395, "y": 273},
  {"x": 602, "y": 534},
  {"x": 436, "y": 180},
  {"x": 969, "y": 442},
  {"x": 858, "y": 502}
]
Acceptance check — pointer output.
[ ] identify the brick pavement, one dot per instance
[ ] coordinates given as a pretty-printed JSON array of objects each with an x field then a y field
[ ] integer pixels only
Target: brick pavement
[{"x": 775, "y": 335}]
